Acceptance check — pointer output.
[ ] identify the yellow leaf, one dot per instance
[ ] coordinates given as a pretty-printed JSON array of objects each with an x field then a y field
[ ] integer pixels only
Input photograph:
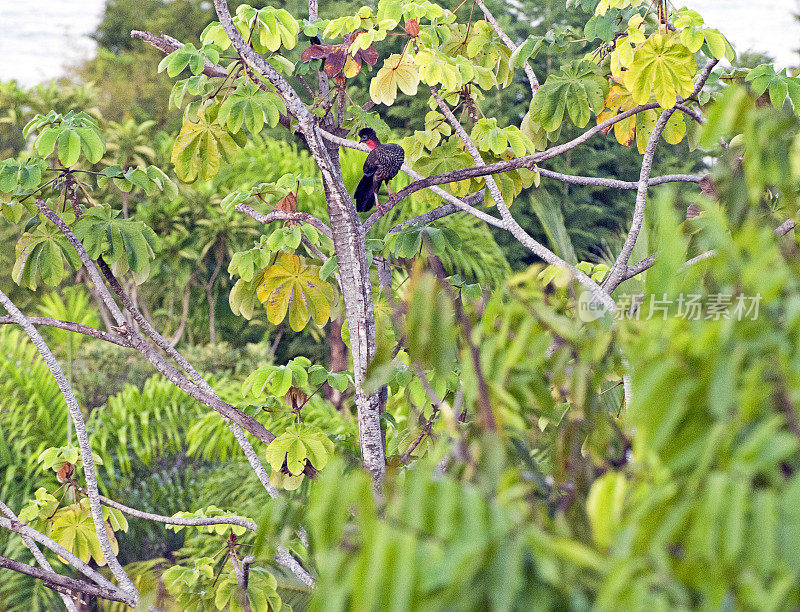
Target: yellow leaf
[
  {"x": 675, "y": 129},
  {"x": 663, "y": 67},
  {"x": 645, "y": 122},
  {"x": 351, "y": 67},
  {"x": 397, "y": 71},
  {"x": 289, "y": 287}
]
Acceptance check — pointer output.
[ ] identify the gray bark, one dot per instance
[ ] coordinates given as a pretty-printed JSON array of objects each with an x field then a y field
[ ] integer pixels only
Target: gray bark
[{"x": 349, "y": 245}]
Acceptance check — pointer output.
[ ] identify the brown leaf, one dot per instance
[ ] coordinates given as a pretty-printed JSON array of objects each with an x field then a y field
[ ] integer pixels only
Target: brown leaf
[
  {"x": 412, "y": 27},
  {"x": 66, "y": 472},
  {"x": 288, "y": 203},
  {"x": 316, "y": 52},
  {"x": 309, "y": 470},
  {"x": 708, "y": 188},
  {"x": 369, "y": 55},
  {"x": 692, "y": 211},
  {"x": 295, "y": 397},
  {"x": 335, "y": 62}
]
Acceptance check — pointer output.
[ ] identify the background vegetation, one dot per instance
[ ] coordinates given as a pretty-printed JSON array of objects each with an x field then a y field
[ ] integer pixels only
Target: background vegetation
[{"x": 687, "y": 498}]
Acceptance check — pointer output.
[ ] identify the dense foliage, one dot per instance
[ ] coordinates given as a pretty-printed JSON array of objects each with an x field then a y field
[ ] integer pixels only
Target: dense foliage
[{"x": 557, "y": 429}]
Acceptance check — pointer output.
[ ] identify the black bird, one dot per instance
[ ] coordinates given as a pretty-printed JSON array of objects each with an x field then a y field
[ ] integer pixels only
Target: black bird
[{"x": 382, "y": 165}]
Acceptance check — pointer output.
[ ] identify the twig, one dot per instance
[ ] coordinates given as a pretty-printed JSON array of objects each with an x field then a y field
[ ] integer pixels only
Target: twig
[
  {"x": 484, "y": 400},
  {"x": 79, "y": 328},
  {"x": 426, "y": 431}
]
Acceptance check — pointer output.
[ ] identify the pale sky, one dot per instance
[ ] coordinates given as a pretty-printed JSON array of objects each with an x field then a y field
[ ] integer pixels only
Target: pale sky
[{"x": 38, "y": 38}]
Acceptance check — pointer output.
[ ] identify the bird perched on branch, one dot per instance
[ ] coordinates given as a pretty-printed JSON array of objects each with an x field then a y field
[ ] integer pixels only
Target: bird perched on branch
[{"x": 381, "y": 166}]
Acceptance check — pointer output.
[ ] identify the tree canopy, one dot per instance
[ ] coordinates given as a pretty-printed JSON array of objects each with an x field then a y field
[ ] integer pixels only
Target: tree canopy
[{"x": 558, "y": 367}]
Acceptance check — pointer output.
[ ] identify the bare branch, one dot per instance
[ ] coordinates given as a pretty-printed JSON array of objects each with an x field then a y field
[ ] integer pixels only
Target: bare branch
[
  {"x": 526, "y": 161},
  {"x": 83, "y": 443},
  {"x": 508, "y": 221},
  {"x": 690, "y": 113},
  {"x": 84, "y": 568},
  {"x": 617, "y": 184},
  {"x": 38, "y": 555},
  {"x": 438, "y": 213},
  {"x": 619, "y": 269},
  {"x": 640, "y": 267},
  {"x": 241, "y": 579},
  {"x": 162, "y": 365},
  {"x": 277, "y": 215},
  {"x": 698, "y": 259},
  {"x": 647, "y": 263},
  {"x": 428, "y": 217},
  {"x": 63, "y": 584},
  {"x": 174, "y": 520},
  {"x": 79, "y": 328},
  {"x": 425, "y": 431},
  {"x": 785, "y": 227}
]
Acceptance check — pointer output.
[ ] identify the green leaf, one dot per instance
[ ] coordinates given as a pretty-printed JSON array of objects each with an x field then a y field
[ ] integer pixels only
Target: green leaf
[
  {"x": 662, "y": 66},
  {"x": 104, "y": 232},
  {"x": 91, "y": 144},
  {"x": 199, "y": 150},
  {"x": 69, "y": 147},
  {"x": 576, "y": 88},
  {"x": 46, "y": 142}
]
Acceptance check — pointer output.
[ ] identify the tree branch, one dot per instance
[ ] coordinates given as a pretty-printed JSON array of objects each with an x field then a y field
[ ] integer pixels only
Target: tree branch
[
  {"x": 79, "y": 328},
  {"x": 620, "y": 268},
  {"x": 62, "y": 584},
  {"x": 510, "y": 44},
  {"x": 283, "y": 557},
  {"x": 162, "y": 365},
  {"x": 72, "y": 559},
  {"x": 174, "y": 520},
  {"x": 438, "y": 213},
  {"x": 167, "y": 44},
  {"x": 277, "y": 215},
  {"x": 38, "y": 555},
  {"x": 508, "y": 221},
  {"x": 786, "y": 227},
  {"x": 83, "y": 443},
  {"x": 617, "y": 184},
  {"x": 349, "y": 243}
]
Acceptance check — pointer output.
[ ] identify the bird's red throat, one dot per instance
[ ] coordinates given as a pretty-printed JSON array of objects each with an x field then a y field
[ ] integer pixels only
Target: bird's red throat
[{"x": 370, "y": 144}]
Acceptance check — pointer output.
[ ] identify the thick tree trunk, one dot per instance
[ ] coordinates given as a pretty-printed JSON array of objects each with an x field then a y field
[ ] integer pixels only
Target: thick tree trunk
[
  {"x": 349, "y": 244},
  {"x": 350, "y": 247}
]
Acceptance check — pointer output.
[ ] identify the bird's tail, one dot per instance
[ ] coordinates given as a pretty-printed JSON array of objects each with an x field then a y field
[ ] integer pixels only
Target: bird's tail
[{"x": 365, "y": 194}]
